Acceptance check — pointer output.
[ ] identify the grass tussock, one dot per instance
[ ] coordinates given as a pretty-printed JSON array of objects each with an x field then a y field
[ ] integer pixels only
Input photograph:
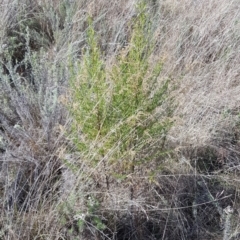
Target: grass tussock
[{"x": 119, "y": 120}]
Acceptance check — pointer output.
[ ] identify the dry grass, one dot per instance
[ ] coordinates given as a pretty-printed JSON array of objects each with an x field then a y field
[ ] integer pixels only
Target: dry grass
[
  {"x": 44, "y": 196},
  {"x": 201, "y": 46}
]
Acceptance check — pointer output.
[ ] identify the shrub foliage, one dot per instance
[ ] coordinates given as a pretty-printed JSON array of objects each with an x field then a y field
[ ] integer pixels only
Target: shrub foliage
[{"x": 116, "y": 111}]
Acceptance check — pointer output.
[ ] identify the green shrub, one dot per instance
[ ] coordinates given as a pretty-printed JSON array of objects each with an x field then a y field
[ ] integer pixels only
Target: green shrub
[{"x": 116, "y": 112}]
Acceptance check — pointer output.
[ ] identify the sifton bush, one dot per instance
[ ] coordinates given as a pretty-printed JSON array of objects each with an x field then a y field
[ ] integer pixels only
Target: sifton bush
[
  {"x": 119, "y": 113},
  {"x": 116, "y": 109}
]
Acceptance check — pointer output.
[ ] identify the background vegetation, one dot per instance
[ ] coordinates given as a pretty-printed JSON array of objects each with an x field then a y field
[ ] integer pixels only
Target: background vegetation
[{"x": 119, "y": 119}]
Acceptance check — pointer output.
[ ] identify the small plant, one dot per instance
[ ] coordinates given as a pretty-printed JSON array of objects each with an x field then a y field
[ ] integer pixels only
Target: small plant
[
  {"x": 93, "y": 206},
  {"x": 77, "y": 220}
]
